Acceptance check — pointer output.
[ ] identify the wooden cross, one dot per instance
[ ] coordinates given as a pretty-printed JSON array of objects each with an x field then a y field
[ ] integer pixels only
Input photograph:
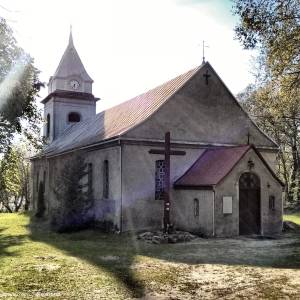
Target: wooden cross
[
  {"x": 206, "y": 75},
  {"x": 167, "y": 152}
]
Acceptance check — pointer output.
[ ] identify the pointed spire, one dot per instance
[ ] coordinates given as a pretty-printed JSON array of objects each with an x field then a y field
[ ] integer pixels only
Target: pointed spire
[
  {"x": 71, "y": 64},
  {"x": 71, "y": 37}
]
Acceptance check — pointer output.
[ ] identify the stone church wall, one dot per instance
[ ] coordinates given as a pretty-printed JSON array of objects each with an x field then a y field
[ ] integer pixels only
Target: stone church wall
[
  {"x": 139, "y": 207},
  {"x": 271, "y": 220}
]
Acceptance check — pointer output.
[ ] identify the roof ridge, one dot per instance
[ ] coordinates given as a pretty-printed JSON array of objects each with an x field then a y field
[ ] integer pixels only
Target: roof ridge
[{"x": 194, "y": 70}]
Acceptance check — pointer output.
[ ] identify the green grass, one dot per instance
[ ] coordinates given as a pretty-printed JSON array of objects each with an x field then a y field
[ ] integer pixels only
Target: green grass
[
  {"x": 293, "y": 218},
  {"x": 38, "y": 264}
]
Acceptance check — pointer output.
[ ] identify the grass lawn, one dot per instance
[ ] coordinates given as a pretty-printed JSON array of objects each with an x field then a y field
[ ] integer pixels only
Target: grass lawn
[
  {"x": 38, "y": 264},
  {"x": 293, "y": 217}
]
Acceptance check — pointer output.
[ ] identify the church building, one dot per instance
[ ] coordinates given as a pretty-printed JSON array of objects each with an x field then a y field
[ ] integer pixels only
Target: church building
[{"x": 222, "y": 171}]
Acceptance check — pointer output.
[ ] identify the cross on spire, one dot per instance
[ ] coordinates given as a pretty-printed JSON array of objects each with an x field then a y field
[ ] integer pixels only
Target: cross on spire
[{"x": 248, "y": 138}]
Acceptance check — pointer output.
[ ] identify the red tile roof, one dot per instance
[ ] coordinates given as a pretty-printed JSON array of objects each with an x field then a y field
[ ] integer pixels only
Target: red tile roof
[{"x": 211, "y": 167}]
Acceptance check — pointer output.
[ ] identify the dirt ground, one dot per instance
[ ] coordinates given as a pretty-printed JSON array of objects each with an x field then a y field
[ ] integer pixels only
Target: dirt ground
[{"x": 240, "y": 268}]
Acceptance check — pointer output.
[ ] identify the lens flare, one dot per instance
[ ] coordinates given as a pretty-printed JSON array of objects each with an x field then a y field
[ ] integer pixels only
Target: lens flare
[{"x": 12, "y": 79}]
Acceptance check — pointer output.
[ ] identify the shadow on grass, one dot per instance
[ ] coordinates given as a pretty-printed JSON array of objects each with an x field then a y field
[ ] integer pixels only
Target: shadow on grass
[
  {"x": 114, "y": 253},
  {"x": 7, "y": 241},
  {"x": 101, "y": 250}
]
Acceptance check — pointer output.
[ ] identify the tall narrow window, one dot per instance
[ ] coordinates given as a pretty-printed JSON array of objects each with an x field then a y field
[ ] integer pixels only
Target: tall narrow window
[
  {"x": 196, "y": 207},
  {"x": 105, "y": 179},
  {"x": 37, "y": 180},
  {"x": 272, "y": 202},
  {"x": 48, "y": 126},
  {"x": 90, "y": 179},
  {"x": 73, "y": 117},
  {"x": 159, "y": 179},
  {"x": 44, "y": 179}
]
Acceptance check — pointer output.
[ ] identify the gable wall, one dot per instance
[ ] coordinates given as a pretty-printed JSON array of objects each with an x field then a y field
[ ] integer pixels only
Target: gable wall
[
  {"x": 202, "y": 113},
  {"x": 271, "y": 221}
]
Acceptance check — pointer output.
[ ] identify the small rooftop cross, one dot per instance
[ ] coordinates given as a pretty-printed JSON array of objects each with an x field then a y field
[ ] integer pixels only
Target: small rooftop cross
[
  {"x": 167, "y": 152},
  {"x": 248, "y": 138},
  {"x": 206, "y": 75}
]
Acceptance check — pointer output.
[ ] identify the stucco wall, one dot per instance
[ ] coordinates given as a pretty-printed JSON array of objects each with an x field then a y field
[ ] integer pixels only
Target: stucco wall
[
  {"x": 184, "y": 214},
  {"x": 59, "y": 109},
  {"x": 140, "y": 209},
  {"x": 271, "y": 158},
  {"x": 104, "y": 209},
  {"x": 271, "y": 221}
]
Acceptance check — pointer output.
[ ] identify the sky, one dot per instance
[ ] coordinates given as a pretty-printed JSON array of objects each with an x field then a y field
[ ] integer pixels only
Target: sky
[{"x": 131, "y": 46}]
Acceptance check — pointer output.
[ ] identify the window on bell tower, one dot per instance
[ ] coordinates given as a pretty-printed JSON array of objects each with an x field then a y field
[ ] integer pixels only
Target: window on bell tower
[{"x": 73, "y": 117}]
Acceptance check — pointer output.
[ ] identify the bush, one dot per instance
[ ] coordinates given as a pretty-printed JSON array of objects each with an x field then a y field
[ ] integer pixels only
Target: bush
[{"x": 74, "y": 196}]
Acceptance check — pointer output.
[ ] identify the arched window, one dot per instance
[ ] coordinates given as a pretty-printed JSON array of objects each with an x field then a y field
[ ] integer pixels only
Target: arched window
[
  {"x": 48, "y": 126},
  {"x": 73, "y": 117}
]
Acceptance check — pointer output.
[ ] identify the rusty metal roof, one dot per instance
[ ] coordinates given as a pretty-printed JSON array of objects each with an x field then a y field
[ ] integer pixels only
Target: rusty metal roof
[
  {"x": 119, "y": 119},
  {"x": 214, "y": 164}
]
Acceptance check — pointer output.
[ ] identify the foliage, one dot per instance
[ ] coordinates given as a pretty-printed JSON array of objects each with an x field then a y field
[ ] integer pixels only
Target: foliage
[
  {"x": 41, "y": 207},
  {"x": 74, "y": 196},
  {"x": 276, "y": 113},
  {"x": 272, "y": 26},
  {"x": 19, "y": 85},
  {"x": 14, "y": 180},
  {"x": 292, "y": 217}
]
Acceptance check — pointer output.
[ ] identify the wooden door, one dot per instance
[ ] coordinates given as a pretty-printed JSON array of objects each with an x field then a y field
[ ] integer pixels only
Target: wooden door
[{"x": 249, "y": 204}]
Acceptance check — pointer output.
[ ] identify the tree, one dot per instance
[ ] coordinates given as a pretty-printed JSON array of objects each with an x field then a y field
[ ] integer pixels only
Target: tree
[
  {"x": 19, "y": 85},
  {"x": 74, "y": 193},
  {"x": 276, "y": 114},
  {"x": 14, "y": 180},
  {"x": 274, "y": 27}
]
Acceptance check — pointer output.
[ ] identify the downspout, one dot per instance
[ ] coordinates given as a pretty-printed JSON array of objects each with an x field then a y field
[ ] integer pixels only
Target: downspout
[{"x": 213, "y": 211}]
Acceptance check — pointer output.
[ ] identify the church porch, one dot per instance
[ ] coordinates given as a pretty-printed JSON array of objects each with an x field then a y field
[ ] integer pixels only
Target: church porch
[{"x": 245, "y": 195}]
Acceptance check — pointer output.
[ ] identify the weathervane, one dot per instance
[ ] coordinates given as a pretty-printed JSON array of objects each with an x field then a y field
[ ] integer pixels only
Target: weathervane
[{"x": 203, "y": 51}]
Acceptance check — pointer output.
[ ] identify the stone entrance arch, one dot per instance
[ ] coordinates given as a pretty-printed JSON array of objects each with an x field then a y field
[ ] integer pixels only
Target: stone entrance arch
[{"x": 249, "y": 204}]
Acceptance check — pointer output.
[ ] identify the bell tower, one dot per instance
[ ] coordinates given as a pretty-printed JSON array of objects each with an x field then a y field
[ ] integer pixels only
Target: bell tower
[{"x": 70, "y": 99}]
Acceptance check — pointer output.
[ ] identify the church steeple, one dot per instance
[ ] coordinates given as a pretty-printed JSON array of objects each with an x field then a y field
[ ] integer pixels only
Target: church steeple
[
  {"x": 70, "y": 69},
  {"x": 70, "y": 96}
]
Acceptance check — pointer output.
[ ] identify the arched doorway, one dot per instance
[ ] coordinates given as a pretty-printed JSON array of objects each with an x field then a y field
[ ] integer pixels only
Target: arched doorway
[{"x": 249, "y": 204}]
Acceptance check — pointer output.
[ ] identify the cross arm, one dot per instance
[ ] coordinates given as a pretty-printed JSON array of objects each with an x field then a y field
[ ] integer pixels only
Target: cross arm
[{"x": 172, "y": 152}]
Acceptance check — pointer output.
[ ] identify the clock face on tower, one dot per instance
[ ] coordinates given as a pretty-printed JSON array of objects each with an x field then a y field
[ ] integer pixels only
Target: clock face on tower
[{"x": 74, "y": 84}]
